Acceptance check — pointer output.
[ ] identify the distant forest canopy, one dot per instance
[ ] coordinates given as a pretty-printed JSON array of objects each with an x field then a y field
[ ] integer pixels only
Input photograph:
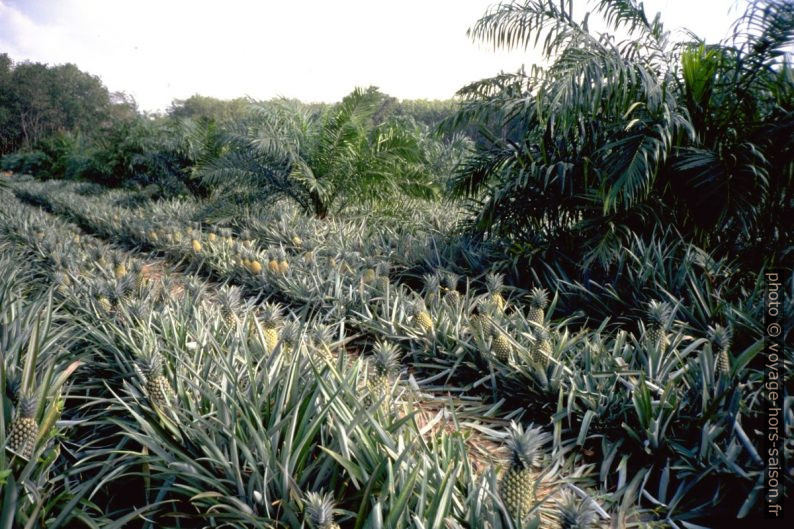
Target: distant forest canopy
[{"x": 39, "y": 100}]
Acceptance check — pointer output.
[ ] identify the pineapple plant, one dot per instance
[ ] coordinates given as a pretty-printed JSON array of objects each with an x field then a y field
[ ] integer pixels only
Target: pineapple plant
[
  {"x": 500, "y": 345},
  {"x": 517, "y": 487},
  {"x": 158, "y": 389},
  {"x": 574, "y": 513},
  {"x": 432, "y": 288},
  {"x": 21, "y": 439},
  {"x": 452, "y": 296},
  {"x": 659, "y": 316},
  {"x": 229, "y": 298},
  {"x": 538, "y": 301},
  {"x": 721, "y": 339},
  {"x": 495, "y": 284},
  {"x": 320, "y": 511}
]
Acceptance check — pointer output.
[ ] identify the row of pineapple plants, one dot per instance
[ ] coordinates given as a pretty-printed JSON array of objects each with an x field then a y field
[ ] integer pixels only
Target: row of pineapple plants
[
  {"x": 641, "y": 379},
  {"x": 159, "y": 397}
]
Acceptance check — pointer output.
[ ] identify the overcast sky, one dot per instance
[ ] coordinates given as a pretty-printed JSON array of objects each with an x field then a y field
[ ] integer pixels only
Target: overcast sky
[{"x": 315, "y": 50}]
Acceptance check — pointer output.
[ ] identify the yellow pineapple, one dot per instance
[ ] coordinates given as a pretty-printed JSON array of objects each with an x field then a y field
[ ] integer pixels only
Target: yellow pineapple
[
  {"x": 196, "y": 245},
  {"x": 495, "y": 285},
  {"x": 538, "y": 300}
]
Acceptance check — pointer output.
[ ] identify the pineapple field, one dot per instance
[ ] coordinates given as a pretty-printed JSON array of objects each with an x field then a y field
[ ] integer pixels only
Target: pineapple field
[{"x": 543, "y": 304}]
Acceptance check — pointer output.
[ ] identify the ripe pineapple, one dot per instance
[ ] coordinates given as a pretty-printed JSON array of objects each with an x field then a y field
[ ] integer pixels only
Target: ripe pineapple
[
  {"x": 368, "y": 276},
  {"x": 517, "y": 488},
  {"x": 500, "y": 345},
  {"x": 542, "y": 348},
  {"x": 212, "y": 237},
  {"x": 538, "y": 301},
  {"x": 452, "y": 296},
  {"x": 24, "y": 430},
  {"x": 119, "y": 269},
  {"x": 320, "y": 510},
  {"x": 283, "y": 265},
  {"x": 196, "y": 245},
  {"x": 290, "y": 337},
  {"x": 721, "y": 339},
  {"x": 297, "y": 241},
  {"x": 255, "y": 267},
  {"x": 272, "y": 264},
  {"x": 421, "y": 317},
  {"x": 158, "y": 388},
  {"x": 271, "y": 318},
  {"x": 495, "y": 285},
  {"x": 574, "y": 513},
  {"x": 659, "y": 316},
  {"x": 229, "y": 298}
]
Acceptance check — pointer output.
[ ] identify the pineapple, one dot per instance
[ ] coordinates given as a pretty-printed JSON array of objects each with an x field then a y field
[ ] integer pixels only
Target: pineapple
[
  {"x": 422, "y": 318},
  {"x": 196, "y": 245},
  {"x": 283, "y": 265},
  {"x": 495, "y": 285},
  {"x": 574, "y": 513},
  {"x": 500, "y": 345},
  {"x": 538, "y": 301},
  {"x": 138, "y": 274},
  {"x": 480, "y": 321},
  {"x": 229, "y": 298},
  {"x": 368, "y": 276},
  {"x": 297, "y": 241},
  {"x": 255, "y": 266},
  {"x": 721, "y": 339},
  {"x": 322, "y": 337},
  {"x": 386, "y": 369},
  {"x": 320, "y": 511},
  {"x": 517, "y": 488},
  {"x": 432, "y": 288},
  {"x": 24, "y": 430},
  {"x": 290, "y": 337},
  {"x": 62, "y": 282},
  {"x": 659, "y": 317},
  {"x": 452, "y": 295},
  {"x": 212, "y": 237},
  {"x": 271, "y": 318},
  {"x": 542, "y": 348},
  {"x": 382, "y": 276},
  {"x": 158, "y": 388},
  {"x": 272, "y": 264},
  {"x": 119, "y": 269}
]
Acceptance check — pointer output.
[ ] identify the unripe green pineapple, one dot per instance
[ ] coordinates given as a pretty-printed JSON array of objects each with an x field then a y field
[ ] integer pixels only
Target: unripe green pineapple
[
  {"x": 158, "y": 389},
  {"x": 480, "y": 321},
  {"x": 574, "y": 513},
  {"x": 538, "y": 301},
  {"x": 21, "y": 439},
  {"x": 139, "y": 275},
  {"x": 517, "y": 488},
  {"x": 721, "y": 339},
  {"x": 500, "y": 346},
  {"x": 541, "y": 350},
  {"x": 452, "y": 296},
  {"x": 322, "y": 336},
  {"x": 229, "y": 298},
  {"x": 320, "y": 511},
  {"x": 385, "y": 359},
  {"x": 290, "y": 337},
  {"x": 432, "y": 289},
  {"x": 495, "y": 285},
  {"x": 659, "y": 316}
]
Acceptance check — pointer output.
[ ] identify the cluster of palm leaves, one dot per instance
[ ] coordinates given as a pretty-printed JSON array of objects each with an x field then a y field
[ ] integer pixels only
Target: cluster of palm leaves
[{"x": 619, "y": 135}]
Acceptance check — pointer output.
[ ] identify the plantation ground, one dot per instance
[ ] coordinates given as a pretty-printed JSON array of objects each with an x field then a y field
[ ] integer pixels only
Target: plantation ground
[{"x": 204, "y": 374}]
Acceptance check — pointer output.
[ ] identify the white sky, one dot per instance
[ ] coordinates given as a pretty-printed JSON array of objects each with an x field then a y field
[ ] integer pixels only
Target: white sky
[{"x": 314, "y": 50}]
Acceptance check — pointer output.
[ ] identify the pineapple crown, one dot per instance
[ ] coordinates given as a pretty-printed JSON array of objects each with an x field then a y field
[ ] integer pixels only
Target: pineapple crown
[
  {"x": 432, "y": 282},
  {"x": 575, "y": 513},
  {"x": 153, "y": 366},
  {"x": 382, "y": 269},
  {"x": 659, "y": 314},
  {"x": 27, "y": 406},
  {"x": 125, "y": 284},
  {"x": 139, "y": 309},
  {"x": 385, "y": 357},
  {"x": 271, "y": 313},
  {"x": 494, "y": 282},
  {"x": 136, "y": 267},
  {"x": 526, "y": 446},
  {"x": 539, "y": 298},
  {"x": 229, "y": 297},
  {"x": 290, "y": 333},
  {"x": 720, "y": 336},
  {"x": 320, "y": 508},
  {"x": 322, "y": 334},
  {"x": 451, "y": 280}
]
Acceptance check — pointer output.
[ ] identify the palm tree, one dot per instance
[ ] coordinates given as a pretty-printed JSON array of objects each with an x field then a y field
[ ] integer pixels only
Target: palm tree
[
  {"x": 323, "y": 160},
  {"x": 615, "y": 137}
]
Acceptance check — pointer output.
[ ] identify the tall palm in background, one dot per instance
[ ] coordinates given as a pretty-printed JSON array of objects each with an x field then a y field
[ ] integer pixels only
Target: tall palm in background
[
  {"x": 324, "y": 160},
  {"x": 616, "y": 137}
]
